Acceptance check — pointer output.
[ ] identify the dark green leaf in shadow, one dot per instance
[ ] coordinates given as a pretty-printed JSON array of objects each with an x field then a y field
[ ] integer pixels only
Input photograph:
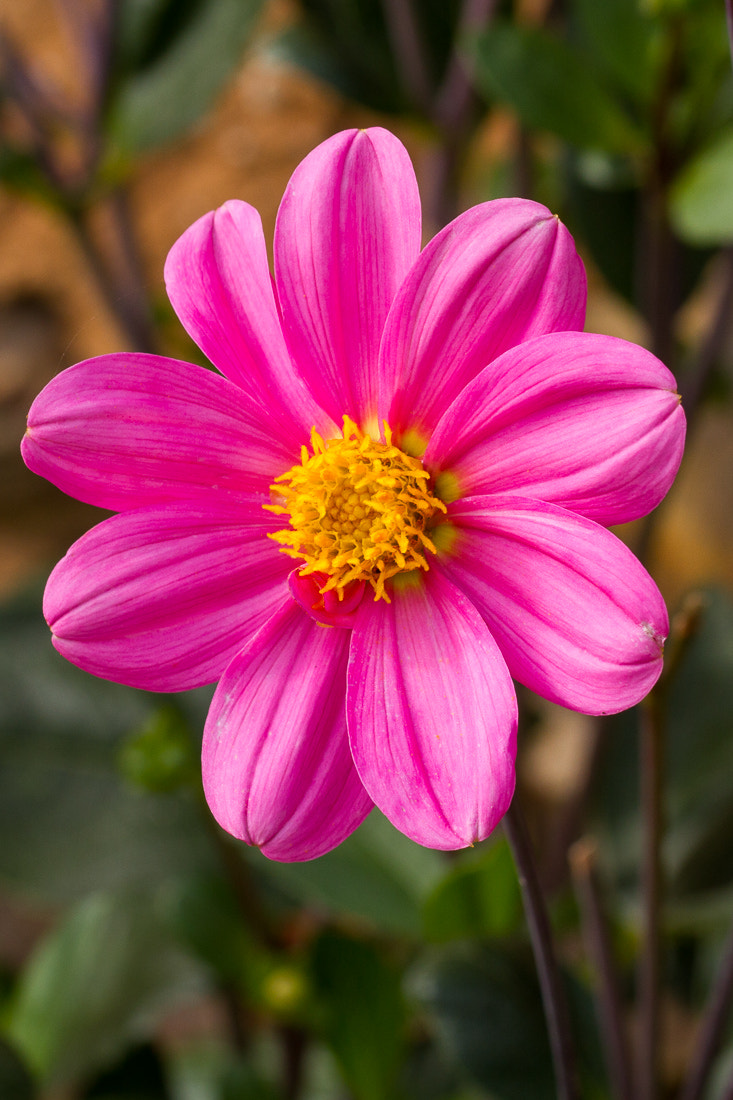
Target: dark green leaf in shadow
[
  {"x": 485, "y": 1006},
  {"x": 159, "y": 103},
  {"x": 603, "y": 204},
  {"x": 624, "y": 38},
  {"x": 203, "y": 913},
  {"x": 478, "y": 897},
  {"x": 147, "y": 29},
  {"x": 96, "y": 984},
  {"x": 363, "y": 1012},
  {"x": 16, "y": 1082},
  {"x": 348, "y": 44},
  {"x": 552, "y": 88}
]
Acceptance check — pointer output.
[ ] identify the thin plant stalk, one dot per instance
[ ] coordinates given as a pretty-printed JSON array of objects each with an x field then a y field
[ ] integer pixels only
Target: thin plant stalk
[
  {"x": 598, "y": 946},
  {"x": 553, "y": 994},
  {"x": 651, "y": 763},
  {"x": 714, "y": 1021}
]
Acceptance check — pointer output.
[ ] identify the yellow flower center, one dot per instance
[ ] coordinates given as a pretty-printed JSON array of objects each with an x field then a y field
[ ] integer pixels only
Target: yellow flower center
[{"x": 359, "y": 510}]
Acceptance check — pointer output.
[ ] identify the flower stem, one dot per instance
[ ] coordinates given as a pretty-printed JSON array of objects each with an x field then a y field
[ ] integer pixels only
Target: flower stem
[
  {"x": 714, "y": 1020},
  {"x": 651, "y": 769},
  {"x": 595, "y": 933},
  {"x": 553, "y": 995}
]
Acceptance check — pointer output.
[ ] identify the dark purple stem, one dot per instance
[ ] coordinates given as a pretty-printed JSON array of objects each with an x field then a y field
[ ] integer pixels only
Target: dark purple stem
[
  {"x": 714, "y": 1021},
  {"x": 404, "y": 34},
  {"x": 598, "y": 945},
  {"x": 455, "y": 99},
  {"x": 553, "y": 994},
  {"x": 651, "y": 769}
]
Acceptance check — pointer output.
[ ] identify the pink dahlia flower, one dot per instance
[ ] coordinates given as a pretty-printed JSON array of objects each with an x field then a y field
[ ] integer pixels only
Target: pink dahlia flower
[{"x": 390, "y": 501}]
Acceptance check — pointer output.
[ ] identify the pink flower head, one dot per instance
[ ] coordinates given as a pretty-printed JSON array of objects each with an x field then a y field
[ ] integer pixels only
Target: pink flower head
[{"x": 392, "y": 500}]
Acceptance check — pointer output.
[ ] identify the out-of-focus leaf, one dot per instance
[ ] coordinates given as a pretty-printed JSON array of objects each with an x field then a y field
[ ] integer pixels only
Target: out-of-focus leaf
[
  {"x": 377, "y": 874},
  {"x": 16, "y": 1082},
  {"x": 701, "y": 200},
  {"x": 479, "y": 897},
  {"x": 486, "y": 1008},
  {"x": 68, "y": 823},
  {"x": 96, "y": 984},
  {"x": 146, "y": 29},
  {"x": 348, "y": 44},
  {"x": 625, "y": 38},
  {"x": 551, "y": 88},
  {"x": 603, "y": 211},
  {"x": 160, "y": 102},
  {"x": 363, "y": 1012},
  {"x": 203, "y": 913}
]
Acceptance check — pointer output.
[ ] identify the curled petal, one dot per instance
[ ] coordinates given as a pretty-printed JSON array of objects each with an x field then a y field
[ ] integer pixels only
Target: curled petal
[
  {"x": 347, "y": 232},
  {"x": 588, "y": 422},
  {"x": 432, "y": 714},
  {"x": 163, "y": 598},
  {"x": 499, "y": 274},
  {"x": 219, "y": 284},
  {"x": 131, "y": 430},
  {"x": 577, "y": 617},
  {"x": 277, "y": 769}
]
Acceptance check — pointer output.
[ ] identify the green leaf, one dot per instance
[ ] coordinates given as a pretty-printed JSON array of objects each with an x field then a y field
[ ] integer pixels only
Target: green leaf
[
  {"x": 98, "y": 982},
  {"x": 363, "y": 1012},
  {"x": 348, "y": 44},
  {"x": 479, "y": 897},
  {"x": 377, "y": 874},
  {"x": 68, "y": 823},
  {"x": 16, "y": 1082},
  {"x": 486, "y": 1007},
  {"x": 161, "y": 102},
  {"x": 203, "y": 913},
  {"x": 551, "y": 88},
  {"x": 624, "y": 38},
  {"x": 701, "y": 199}
]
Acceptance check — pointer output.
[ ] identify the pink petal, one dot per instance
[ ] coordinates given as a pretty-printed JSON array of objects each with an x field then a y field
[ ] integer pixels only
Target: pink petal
[
  {"x": 432, "y": 714},
  {"x": 577, "y": 617},
  {"x": 130, "y": 430},
  {"x": 589, "y": 422},
  {"x": 347, "y": 232},
  {"x": 277, "y": 769},
  {"x": 219, "y": 283},
  {"x": 163, "y": 598},
  {"x": 499, "y": 274}
]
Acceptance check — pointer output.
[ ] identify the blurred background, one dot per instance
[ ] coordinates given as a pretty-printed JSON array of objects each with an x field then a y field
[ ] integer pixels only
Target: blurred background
[{"x": 143, "y": 953}]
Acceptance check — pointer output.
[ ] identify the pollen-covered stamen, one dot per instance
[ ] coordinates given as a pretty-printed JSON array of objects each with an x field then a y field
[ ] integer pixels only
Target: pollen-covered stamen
[{"x": 359, "y": 510}]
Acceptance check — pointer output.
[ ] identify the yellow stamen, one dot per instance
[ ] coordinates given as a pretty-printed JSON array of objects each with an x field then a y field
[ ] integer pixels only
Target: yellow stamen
[{"x": 359, "y": 510}]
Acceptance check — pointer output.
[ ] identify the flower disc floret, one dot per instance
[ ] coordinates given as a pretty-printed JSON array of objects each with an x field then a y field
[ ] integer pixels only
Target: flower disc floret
[{"x": 360, "y": 510}]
